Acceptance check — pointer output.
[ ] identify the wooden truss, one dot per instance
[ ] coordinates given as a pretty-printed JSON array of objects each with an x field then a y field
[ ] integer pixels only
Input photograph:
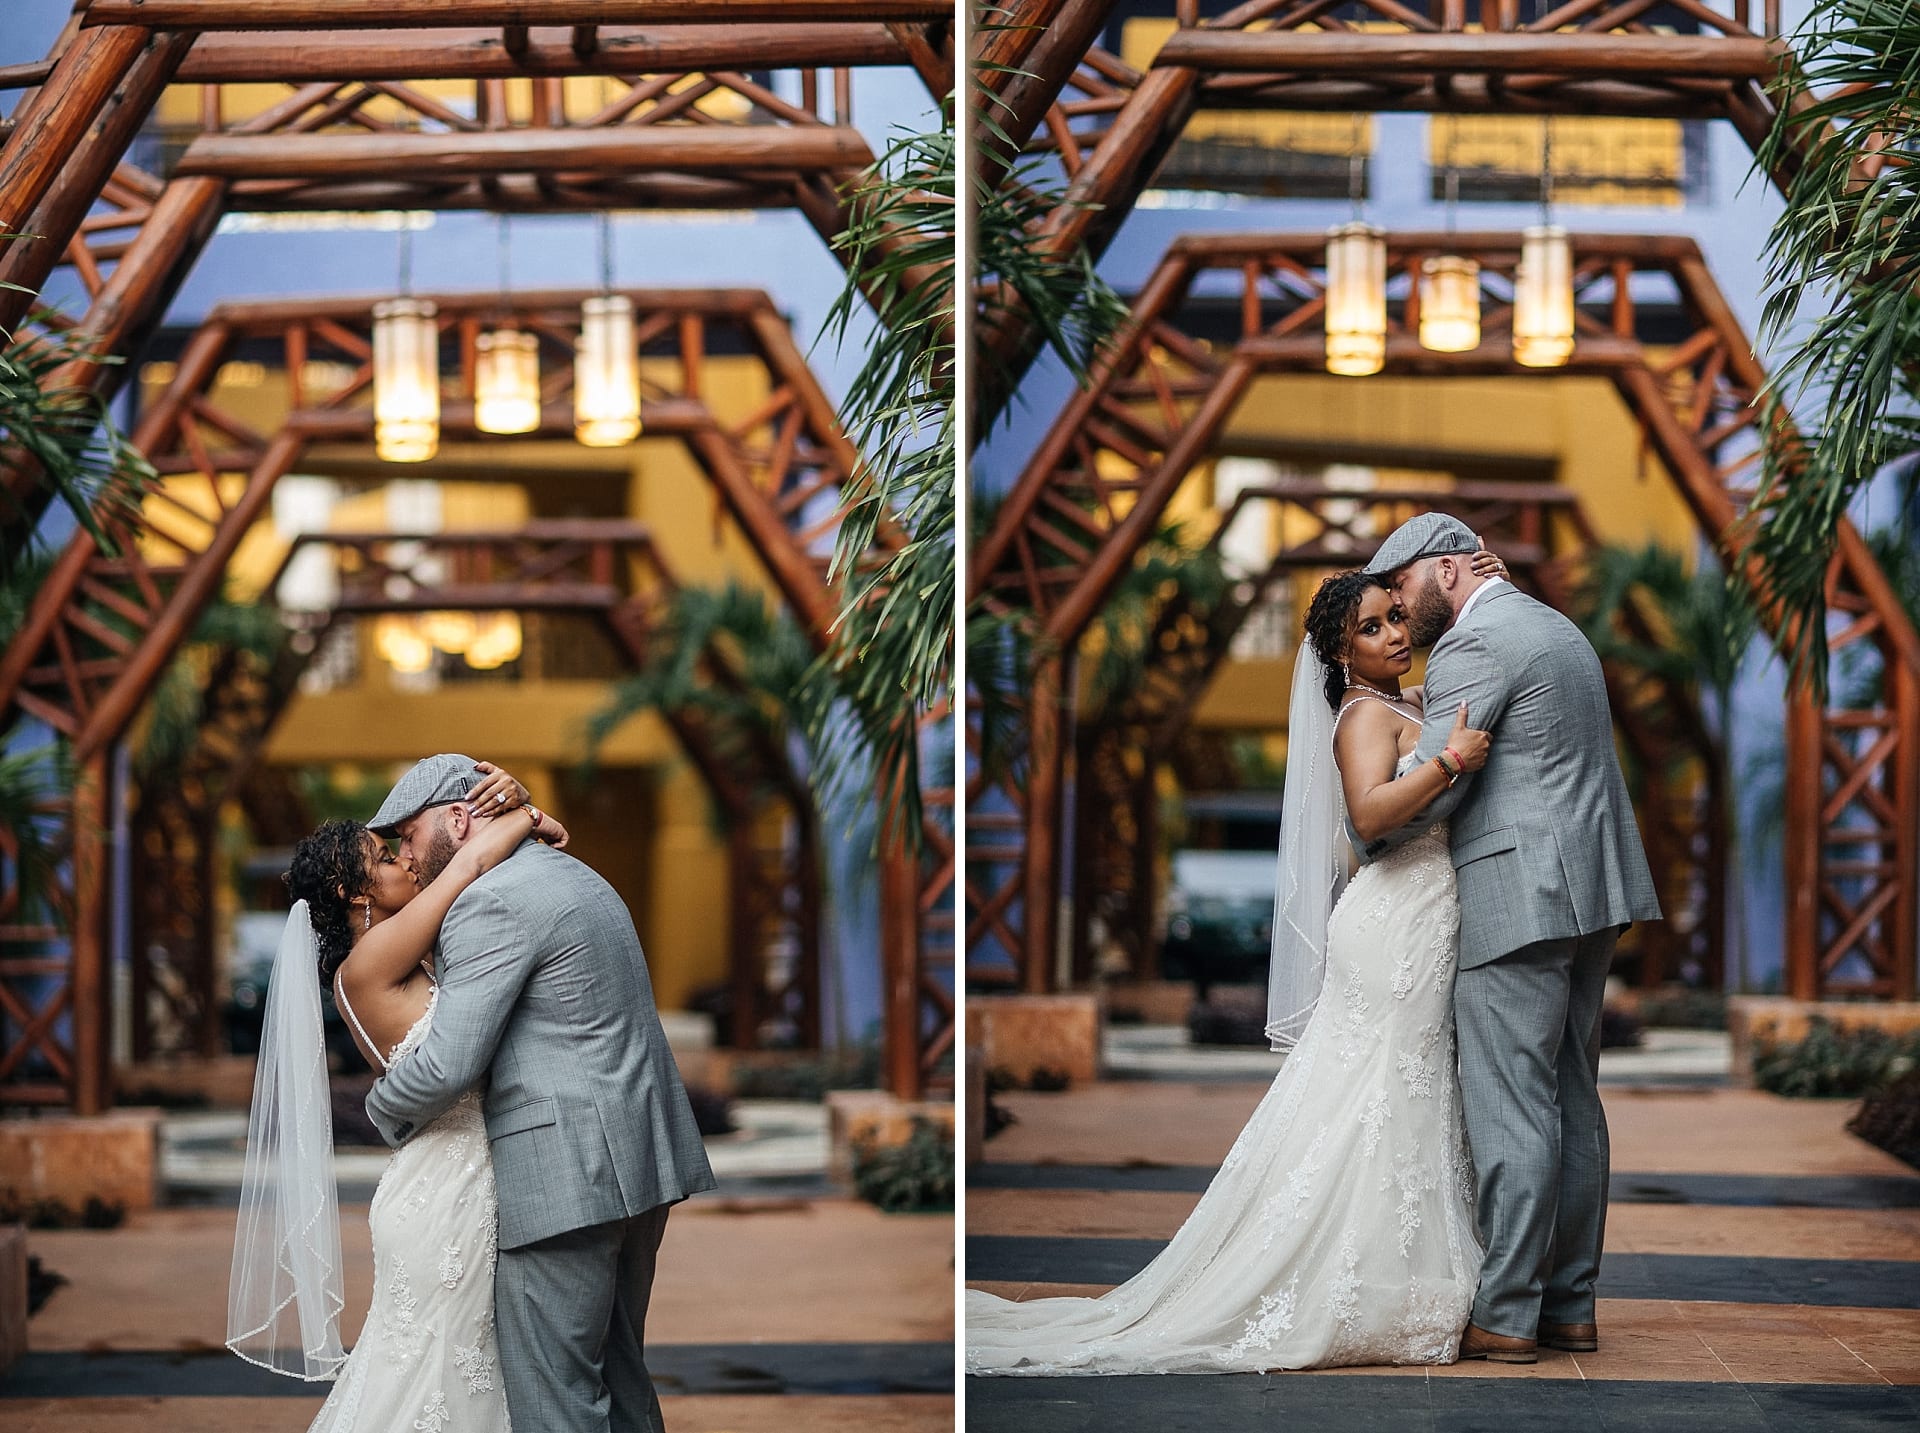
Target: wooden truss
[
  {"x": 1160, "y": 403},
  {"x": 388, "y": 107},
  {"x": 104, "y": 626},
  {"x": 1108, "y": 125},
  {"x": 610, "y": 571}
]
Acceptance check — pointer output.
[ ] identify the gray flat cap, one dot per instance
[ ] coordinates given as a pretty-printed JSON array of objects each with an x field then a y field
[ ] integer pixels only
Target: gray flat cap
[
  {"x": 1431, "y": 534},
  {"x": 437, "y": 781}
]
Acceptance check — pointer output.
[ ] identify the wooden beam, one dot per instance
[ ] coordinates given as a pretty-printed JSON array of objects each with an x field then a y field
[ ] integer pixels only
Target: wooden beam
[
  {"x": 1353, "y": 52},
  {"x": 482, "y": 54},
  {"x": 444, "y": 14},
  {"x": 517, "y": 194},
  {"x": 1017, "y": 97},
  {"x": 1459, "y": 94},
  {"x": 524, "y": 151},
  {"x": 82, "y": 172},
  {"x": 59, "y": 114}
]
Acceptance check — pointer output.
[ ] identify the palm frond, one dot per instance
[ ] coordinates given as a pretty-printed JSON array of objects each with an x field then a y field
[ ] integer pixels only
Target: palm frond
[{"x": 1842, "y": 264}]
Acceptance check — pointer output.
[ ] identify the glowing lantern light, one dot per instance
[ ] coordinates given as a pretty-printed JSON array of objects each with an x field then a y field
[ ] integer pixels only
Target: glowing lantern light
[
  {"x": 402, "y": 645},
  {"x": 1356, "y": 300},
  {"x": 1543, "y": 298},
  {"x": 1449, "y": 304},
  {"x": 496, "y": 641},
  {"x": 506, "y": 382},
  {"x": 406, "y": 381},
  {"x": 606, "y": 374}
]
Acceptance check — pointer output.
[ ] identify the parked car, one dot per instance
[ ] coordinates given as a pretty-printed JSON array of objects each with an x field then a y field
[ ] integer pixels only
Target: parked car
[
  {"x": 256, "y": 940},
  {"x": 1219, "y": 918}
]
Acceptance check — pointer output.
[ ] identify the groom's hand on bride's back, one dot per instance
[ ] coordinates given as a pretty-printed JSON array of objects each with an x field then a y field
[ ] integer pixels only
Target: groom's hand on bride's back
[{"x": 1470, "y": 744}]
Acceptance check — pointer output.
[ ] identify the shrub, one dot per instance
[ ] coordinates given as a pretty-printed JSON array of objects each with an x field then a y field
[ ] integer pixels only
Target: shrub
[
  {"x": 96, "y": 1213},
  {"x": 41, "y": 1282},
  {"x": 913, "y": 1177},
  {"x": 712, "y": 1110},
  {"x": 1835, "y": 1061},
  {"x": 1890, "y": 1119},
  {"x": 1677, "y": 1008}
]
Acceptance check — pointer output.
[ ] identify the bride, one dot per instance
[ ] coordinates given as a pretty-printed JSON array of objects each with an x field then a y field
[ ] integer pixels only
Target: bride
[
  {"x": 1340, "y": 1228},
  {"x": 425, "y": 1357}
]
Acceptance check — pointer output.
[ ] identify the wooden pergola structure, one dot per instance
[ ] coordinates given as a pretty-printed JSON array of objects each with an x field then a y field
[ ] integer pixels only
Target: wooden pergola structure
[
  {"x": 361, "y": 128},
  {"x": 611, "y": 571},
  {"x": 1159, "y": 403}
]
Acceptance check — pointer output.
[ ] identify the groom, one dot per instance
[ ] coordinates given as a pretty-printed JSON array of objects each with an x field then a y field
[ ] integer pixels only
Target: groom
[
  {"x": 1550, "y": 871},
  {"x": 544, "y": 993}
]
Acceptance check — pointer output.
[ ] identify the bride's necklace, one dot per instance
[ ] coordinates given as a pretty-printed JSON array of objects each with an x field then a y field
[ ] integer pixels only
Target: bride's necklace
[{"x": 1391, "y": 698}]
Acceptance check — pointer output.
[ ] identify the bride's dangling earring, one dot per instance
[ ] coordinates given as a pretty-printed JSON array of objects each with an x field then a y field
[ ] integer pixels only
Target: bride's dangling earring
[{"x": 369, "y": 921}]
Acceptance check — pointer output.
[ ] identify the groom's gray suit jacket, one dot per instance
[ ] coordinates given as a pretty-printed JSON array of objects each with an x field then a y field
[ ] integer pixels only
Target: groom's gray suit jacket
[
  {"x": 1544, "y": 841},
  {"x": 544, "y": 987}
]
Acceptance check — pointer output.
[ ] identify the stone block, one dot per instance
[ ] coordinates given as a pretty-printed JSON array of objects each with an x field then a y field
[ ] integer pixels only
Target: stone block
[
  {"x": 976, "y": 1062},
  {"x": 223, "y": 1082},
  {"x": 112, "y": 1157},
  {"x": 1756, "y": 1020},
  {"x": 862, "y": 1117},
  {"x": 1021, "y": 1034},
  {"x": 13, "y": 1293},
  {"x": 1150, "y": 1002}
]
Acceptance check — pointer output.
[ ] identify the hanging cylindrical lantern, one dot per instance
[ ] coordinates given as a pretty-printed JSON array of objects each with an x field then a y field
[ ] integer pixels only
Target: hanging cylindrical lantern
[
  {"x": 1543, "y": 298},
  {"x": 1356, "y": 300},
  {"x": 606, "y": 374},
  {"x": 406, "y": 381},
  {"x": 506, "y": 382},
  {"x": 1449, "y": 304}
]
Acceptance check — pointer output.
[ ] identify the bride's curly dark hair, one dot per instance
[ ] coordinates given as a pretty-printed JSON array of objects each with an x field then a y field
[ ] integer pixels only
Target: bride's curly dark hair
[
  {"x": 329, "y": 869},
  {"x": 1330, "y": 623}
]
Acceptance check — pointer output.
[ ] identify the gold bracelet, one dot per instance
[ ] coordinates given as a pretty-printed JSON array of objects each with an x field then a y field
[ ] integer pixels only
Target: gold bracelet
[{"x": 1444, "y": 772}]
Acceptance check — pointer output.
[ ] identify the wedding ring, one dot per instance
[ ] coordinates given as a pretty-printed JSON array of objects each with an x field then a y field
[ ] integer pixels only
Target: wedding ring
[{"x": 499, "y": 796}]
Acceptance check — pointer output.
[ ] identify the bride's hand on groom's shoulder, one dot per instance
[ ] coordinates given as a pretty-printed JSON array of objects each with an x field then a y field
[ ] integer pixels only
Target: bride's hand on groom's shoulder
[
  {"x": 497, "y": 791},
  {"x": 1485, "y": 564}
]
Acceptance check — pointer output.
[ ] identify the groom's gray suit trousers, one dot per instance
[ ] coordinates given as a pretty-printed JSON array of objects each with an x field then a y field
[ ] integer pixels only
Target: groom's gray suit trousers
[
  {"x": 571, "y": 1316},
  {"x": 1529, "y": 1033}
]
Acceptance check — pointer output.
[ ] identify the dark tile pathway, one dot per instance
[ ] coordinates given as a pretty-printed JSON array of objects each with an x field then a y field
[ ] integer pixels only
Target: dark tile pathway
[
  {"x": 706, "y": 1369},
  {"x": 1337, "y": 1403}
]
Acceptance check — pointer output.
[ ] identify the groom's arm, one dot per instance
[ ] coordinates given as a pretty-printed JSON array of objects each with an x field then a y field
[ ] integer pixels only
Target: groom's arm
[
  {"x": 1461, "y": 669},
  {"x": 486, "y": 963}
]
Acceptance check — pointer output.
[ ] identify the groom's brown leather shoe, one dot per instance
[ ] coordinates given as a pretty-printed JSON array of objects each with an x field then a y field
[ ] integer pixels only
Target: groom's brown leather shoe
[
  {"x": 1476, "y": 1342},
  {"x": 1571, "y": 1338}
]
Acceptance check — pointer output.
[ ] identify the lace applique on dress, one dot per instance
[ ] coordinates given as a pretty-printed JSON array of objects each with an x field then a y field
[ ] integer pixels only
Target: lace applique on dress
[
  {"x": 434, "y": 1418},
  {"x": 1331, "y": 1234},
  {"x": 435, "y": 1221}
]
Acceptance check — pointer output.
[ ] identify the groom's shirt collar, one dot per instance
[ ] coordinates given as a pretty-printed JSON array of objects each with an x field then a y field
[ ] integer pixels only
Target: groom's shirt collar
[{"x": 1481, "y": 591}]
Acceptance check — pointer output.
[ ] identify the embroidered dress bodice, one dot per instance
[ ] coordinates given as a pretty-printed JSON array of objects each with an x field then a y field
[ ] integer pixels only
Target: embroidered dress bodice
[
  {"x": 1429, "y": 842},
  {"x": 426, "y": 1360},
  {"x": 1340, "y": 1227}
]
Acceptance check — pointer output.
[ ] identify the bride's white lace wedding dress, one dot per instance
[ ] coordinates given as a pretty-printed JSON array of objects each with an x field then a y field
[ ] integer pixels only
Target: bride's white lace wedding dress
[
  {"x": 426, "y": 1359},
  {"x": 1340, "y": 1228}
]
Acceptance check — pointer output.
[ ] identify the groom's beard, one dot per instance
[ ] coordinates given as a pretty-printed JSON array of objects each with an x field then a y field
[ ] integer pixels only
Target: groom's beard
[
  {"x": 440, "y": 850},
  {"x": 1429, "y": 614}
]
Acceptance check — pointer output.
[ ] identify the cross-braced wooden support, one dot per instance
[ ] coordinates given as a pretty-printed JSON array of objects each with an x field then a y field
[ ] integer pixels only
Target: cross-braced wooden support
[
  {"x": 1109, "y": 124},
  {"x": 688, "y": 114},
  {"x": 103, "y": 626},
  {"x": 1161, "y": 402}
]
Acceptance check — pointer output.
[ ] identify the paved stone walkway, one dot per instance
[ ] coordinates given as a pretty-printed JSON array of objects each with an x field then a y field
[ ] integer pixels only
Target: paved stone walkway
[
  {"x": 780, "y": 1307},
  {"x": 1762, "y": 1269}
]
